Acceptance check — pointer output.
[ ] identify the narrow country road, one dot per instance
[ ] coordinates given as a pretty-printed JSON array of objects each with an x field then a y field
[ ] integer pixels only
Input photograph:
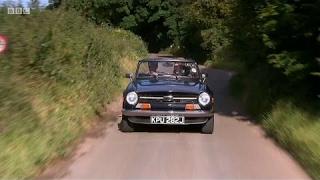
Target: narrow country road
[{"x": 237, "y": 149}]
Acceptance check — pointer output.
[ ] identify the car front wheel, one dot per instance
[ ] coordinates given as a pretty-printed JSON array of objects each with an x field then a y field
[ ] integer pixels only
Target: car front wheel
[
  {"x": 125, "y": 125},
  {"x": 208, "y": 127}
]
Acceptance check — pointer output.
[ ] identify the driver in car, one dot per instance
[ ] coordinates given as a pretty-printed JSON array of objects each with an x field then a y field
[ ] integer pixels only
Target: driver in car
[{"x": 153, "y": 66}]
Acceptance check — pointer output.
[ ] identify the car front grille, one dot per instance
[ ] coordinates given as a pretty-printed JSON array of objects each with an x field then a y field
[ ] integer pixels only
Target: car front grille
[{"x": 166, "y": 97}]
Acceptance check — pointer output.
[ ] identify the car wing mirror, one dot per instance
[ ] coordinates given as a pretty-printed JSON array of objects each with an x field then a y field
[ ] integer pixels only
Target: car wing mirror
[{"x": 129, "y": 75}]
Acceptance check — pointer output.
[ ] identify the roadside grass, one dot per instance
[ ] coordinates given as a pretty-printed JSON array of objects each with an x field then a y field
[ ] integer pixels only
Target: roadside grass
[
  {"x": 288, "y": 117},
  {"x": 37, "y": 127},
  {"x": 298, "y": 131},
  {"x": 291, "y": 119},
  {"x": 58, "y": 73}
]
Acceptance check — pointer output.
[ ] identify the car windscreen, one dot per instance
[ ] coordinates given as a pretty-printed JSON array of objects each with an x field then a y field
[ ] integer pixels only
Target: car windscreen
[{"x": 167, "y": 69}]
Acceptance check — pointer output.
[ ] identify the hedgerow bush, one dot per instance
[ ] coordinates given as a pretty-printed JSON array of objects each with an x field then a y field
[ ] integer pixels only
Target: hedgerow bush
[{"x": 57, "y": 72}]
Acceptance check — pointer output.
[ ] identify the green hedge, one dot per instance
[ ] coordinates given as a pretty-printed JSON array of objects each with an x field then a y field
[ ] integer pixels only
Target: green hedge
[{"x": 58, "y": 71}]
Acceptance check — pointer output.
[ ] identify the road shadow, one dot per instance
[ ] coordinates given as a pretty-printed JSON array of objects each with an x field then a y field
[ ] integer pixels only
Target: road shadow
[
  {"x": 168, "y": 129},
  {"x": 219, "y": 82}
]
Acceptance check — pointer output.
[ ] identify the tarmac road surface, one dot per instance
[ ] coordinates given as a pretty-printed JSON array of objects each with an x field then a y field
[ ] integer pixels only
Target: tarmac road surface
[{"x": 238, "y": 149}]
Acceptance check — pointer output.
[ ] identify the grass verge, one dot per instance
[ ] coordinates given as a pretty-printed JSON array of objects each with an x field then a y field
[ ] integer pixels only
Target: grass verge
[
  {"x": 293, "y": 121},
  {"x": 298, "y": 131},
  {"x": 58, "y": 72}
]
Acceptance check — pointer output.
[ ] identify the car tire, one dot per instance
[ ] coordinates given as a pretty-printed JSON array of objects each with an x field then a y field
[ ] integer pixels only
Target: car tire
[
  {"x": 125, "y": 125},
  {"x": 208, "y": 127}
]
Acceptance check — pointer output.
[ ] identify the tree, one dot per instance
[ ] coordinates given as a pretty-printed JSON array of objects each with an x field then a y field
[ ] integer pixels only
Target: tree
[{"x": 155, "y": 20}]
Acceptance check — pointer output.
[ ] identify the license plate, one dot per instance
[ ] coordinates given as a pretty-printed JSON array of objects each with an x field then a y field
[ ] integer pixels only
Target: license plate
[{"x": 167, "y": 120}]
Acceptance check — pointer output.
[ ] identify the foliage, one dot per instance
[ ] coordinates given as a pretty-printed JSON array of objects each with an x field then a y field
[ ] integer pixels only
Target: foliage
[
  {"x": 280, "y": 33},
  {"x": 209, "y": 18},
  {"x": 289, "y": 30},
  {"x": 297, "y": 130},
  {"x": 291, "y": 117},
  {"x": 57, "y": 73},
  {"x": 277, "y": 42},
  {"x": 274, "y": 44},
  {"x": 155, "y": 20},
  {"x": 196, "y": 28}
]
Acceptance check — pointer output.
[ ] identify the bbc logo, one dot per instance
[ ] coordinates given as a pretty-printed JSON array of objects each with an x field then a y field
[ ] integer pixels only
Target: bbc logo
[{"x": 18, "y": 10}]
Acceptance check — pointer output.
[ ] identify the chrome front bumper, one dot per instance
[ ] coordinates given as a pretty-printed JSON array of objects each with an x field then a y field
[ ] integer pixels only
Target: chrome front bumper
[{"x": 146, "y": 113}]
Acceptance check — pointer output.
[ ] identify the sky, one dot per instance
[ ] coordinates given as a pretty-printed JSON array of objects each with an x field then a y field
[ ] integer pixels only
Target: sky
[{"x": 25, "y": 2}]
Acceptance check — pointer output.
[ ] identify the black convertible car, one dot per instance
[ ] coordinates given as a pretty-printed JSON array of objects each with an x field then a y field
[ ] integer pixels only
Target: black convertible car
[{"x": 167, "y": 91}]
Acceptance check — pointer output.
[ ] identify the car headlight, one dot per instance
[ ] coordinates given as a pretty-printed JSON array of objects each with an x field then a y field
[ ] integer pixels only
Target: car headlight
[
  {"x": 132, "y": 98},
  {"x": 204, "y": 99}
]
